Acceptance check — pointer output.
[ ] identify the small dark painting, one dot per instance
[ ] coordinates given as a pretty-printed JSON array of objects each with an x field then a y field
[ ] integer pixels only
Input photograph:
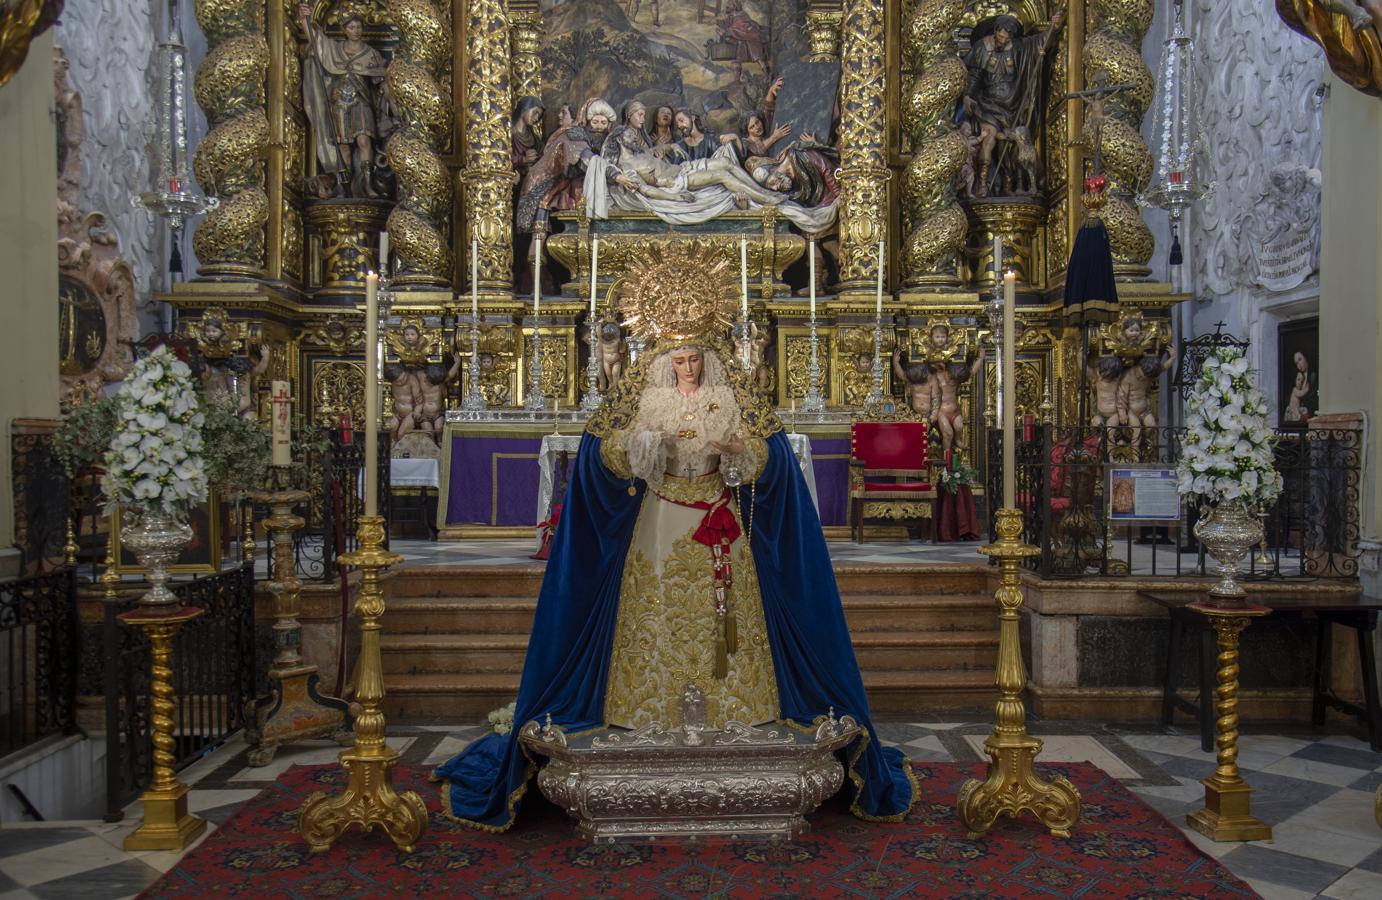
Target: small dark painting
[{"x": 1298, "y": 378}]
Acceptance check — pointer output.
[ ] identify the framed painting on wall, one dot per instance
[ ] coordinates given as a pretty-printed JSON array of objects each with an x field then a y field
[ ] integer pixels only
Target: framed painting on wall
[{"x": 1298, "y": 378}]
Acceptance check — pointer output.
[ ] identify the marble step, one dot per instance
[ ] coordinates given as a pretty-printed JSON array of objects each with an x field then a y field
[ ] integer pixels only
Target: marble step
[
  {"x": 526, "y": 580},
  {"x": 514, "y": 615},
  {"x": 417, "y": 654},
  {"x": 469, "y": 697}
]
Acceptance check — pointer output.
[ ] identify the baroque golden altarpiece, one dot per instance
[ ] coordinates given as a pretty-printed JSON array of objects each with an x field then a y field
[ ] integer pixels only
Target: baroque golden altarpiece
[{"x": 291, "y": 266}]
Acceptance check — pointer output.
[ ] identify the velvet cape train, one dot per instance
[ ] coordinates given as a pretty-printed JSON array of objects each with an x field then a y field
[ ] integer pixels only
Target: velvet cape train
[{"x": 568, "y": 652}]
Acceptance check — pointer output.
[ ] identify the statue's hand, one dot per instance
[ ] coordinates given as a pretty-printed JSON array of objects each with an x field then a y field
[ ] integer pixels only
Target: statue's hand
[
  {"x": 971, "y": 108},
  {"x": 304, "y": 13},
  {"x": 734, "y": 446}
]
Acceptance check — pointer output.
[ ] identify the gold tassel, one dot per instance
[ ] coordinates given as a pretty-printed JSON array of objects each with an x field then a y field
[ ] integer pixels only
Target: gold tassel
[
  {"x": 721, "y": 653},
  {"x": 731, "y": 630}
]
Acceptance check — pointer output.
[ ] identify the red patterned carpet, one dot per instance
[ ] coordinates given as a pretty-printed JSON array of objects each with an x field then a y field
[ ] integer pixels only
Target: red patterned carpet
[{"x": 1122, "y": 848}]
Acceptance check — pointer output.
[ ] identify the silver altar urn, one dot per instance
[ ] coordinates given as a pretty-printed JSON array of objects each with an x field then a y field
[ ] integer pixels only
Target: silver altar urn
[
  {"x": 1229, "y": 531},
  {"x": 157, "y": 538}
]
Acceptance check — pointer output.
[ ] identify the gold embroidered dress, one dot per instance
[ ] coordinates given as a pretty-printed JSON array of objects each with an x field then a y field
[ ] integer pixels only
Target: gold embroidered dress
[{"x": 668, "y": 625}]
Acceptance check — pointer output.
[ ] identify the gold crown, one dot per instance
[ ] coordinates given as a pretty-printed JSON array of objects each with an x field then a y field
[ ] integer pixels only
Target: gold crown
[{"x": 676, "y": 297}]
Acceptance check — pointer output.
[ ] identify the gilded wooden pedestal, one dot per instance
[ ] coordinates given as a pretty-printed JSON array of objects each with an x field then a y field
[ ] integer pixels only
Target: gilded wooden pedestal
[
  {"x": 1227, "y": 813},
  {"x": 167, "y": 825}
]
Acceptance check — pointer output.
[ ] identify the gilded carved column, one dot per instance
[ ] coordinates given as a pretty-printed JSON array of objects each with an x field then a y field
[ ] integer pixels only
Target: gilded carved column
[
  {"x": 229, "y": 163},
  {"x": 933, "y": 222},
  {"x": 417, "y": 226},
  {"x": 863, "y": 160},
  {"x": 1115, "y": 29},
  {"x": 525, "y": 32},
  {"x": 488, "y": 177}
]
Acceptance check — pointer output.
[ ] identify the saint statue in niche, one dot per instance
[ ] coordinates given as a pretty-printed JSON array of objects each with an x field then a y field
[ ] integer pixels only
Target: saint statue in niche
[
  {"x": 1001, "y": 102},
  {"x": 343, "y": 95}
]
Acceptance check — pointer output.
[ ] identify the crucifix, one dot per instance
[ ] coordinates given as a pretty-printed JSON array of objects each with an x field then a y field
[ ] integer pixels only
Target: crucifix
[{"x": 1095, "y": 99}]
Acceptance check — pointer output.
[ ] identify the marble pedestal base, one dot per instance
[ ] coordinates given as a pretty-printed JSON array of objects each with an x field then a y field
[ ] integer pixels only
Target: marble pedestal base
[{"x": 689, "y": 784}]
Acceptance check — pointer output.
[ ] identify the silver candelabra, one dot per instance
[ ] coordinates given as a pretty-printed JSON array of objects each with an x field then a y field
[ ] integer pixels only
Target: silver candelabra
[
  {"x": 593, "y": 398},
  {"x": 474, "y": 406},
  {"x": 814, "y": 402},
  {"x": 534, "y": 402},
  {"x": 875, "y": 398}
]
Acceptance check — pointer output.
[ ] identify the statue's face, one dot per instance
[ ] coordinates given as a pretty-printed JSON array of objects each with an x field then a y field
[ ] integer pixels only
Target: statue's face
[
  {"x": 411, "y": 336},
  {"x": 533, "y": 117},
  {"x": 664, "y": 117},
  {"x": 687, "y": 364},
  {"x": 1301, "y": 364},
  {"x": 354, "y": 30},
  {"x": 940, "y": 336},
  {"x": 564, "y": 117},
  {"x": 754, "y": 127},
  {"x": 213, "y": 332},
  {"x": 486, "y": 362},
  {"x": 599, "y": 123},
  {"x": 683, "y": 123},
  {"x": 1132, "y": 331},
  {"x": 637, "y": 117},
  {"x": 1001, "y": 37}
]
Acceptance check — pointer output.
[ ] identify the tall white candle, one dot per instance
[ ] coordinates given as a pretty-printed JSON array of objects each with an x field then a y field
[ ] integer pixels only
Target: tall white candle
[
  {"x": 1009, "y": 390},
  {"x": 371, "y": 394},
  {"x": 384, "y": 250},
  {"x": 997, "y": 258},
  {"x": 475, "y": 281},
  {"x": 812, "y": 250},
  {"x": 594, "y": 277},
  {"x": 878, "y": 305},
  {"x": 537, "y": 275},
  {"x": 743, "y": 279},
  {"x": 282, "y": 424}
]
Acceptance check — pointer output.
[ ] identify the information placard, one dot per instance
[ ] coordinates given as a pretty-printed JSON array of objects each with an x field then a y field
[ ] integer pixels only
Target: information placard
[{"x": 1142, "y": 493}]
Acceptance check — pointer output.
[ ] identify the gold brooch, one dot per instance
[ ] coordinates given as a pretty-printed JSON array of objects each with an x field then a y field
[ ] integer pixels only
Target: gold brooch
[
  {"x": 689, "y": 416},
  {"x": 687, "y": 433},
  {"x": 714, "y": 407}
]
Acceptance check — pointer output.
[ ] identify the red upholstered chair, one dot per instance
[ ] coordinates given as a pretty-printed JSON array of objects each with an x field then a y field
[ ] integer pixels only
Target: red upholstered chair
[{"x": 888, "y": 472}]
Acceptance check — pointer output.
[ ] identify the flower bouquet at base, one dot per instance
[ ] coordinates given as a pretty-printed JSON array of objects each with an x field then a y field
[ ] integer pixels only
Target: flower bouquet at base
[
  {"x": 1227, "y": 463},
  {"x": 154, "y": 467}
]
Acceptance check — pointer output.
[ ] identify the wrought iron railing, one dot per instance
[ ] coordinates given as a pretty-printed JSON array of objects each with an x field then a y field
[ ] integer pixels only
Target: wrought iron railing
[
  {"x": 337, "y": 486},
  {"x": 1311, "y": 531},
  {"x": 214, "y": 679},
  {"x": 39, "y": 656}
]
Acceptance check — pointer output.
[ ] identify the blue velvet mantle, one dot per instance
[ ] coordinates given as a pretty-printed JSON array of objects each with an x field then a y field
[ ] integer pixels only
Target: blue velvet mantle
[{"x": 568, "y": 653}]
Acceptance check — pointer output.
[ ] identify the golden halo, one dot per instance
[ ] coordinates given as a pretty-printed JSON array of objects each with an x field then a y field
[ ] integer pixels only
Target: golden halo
[{"x": 675, "y": 296}]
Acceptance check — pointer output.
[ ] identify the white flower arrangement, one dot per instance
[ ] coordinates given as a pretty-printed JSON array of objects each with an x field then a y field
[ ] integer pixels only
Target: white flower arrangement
[
  {"x": 1227, "y": 453},
  {"x": 155, "y": 458},
  {"x": 501, "y": 719}
]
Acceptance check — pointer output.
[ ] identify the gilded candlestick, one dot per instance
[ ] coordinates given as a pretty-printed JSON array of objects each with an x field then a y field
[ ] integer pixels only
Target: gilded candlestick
[
  {"x": 1012, "y": 784},
  {"x": 369, "y": 798}
]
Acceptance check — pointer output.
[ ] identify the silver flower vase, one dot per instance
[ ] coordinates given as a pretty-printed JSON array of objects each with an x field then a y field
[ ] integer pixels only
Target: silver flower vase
[
  {"x": 157, "y": 539},
  {"x": 1229, "y": 531}
]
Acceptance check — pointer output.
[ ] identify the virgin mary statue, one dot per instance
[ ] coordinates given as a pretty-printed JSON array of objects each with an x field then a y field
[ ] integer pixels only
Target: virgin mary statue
[{"x": 689, "y": 552}]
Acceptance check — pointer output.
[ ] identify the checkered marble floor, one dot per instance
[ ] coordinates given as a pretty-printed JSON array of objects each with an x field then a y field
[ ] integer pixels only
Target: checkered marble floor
[{"x": 1315, "y": 790}]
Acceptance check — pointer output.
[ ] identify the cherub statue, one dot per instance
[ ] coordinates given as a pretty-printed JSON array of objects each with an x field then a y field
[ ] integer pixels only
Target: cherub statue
[
  {"x": 419, "y": 383},
  {"x": 225, "y": 375},
  {"x": 1134, "y": 404},
  {"x": 761, "y": 375},
  {"x": 1106, "y": 376},
  {"x": 610, "y": 349},
  {"x": 948, "y": 371},
  {"x": 920, "y": 385}
]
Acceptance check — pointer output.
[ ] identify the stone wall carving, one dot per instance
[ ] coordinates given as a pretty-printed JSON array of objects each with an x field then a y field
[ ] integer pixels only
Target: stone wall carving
[
  {"x": 109, "y": 46},
  {"x": 1260, "y": 99}
]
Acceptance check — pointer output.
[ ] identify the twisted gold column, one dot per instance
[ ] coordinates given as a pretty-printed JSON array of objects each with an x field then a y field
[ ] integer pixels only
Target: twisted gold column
[
  {"x": 488, "y": 177},
  {"x": 1227, "y": 813},
  {"x": 933, "y": 221},
  {"x": 229, "y": 163},
  {"x": 369, "y": 799},
  {"x": 863, "y": 164},
  {"x": 1113, "y": 47},
  {"x": 167, "y": 824},
  {"x": 1012, "y": 784},
  {"x": 418, "y": 223}
]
